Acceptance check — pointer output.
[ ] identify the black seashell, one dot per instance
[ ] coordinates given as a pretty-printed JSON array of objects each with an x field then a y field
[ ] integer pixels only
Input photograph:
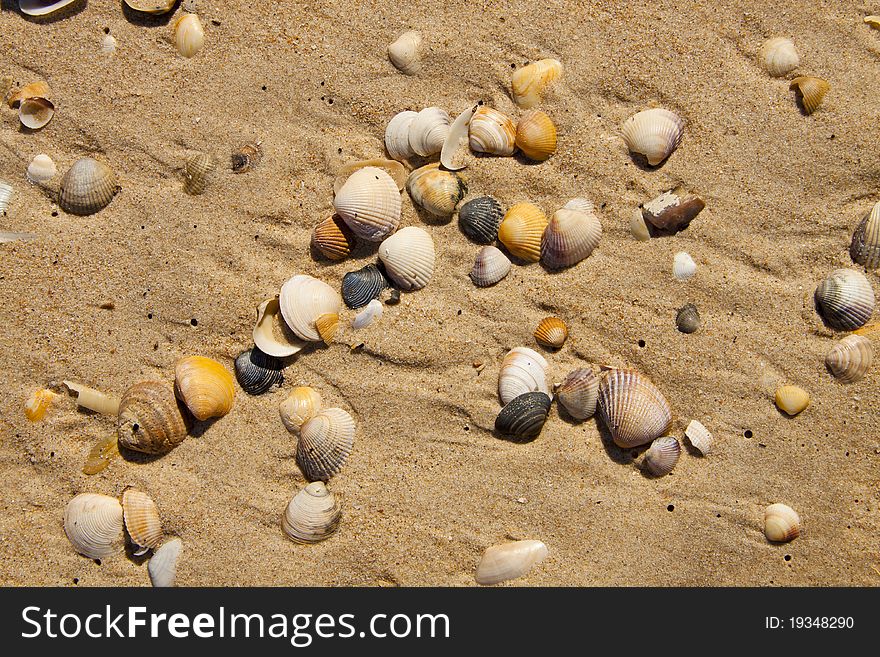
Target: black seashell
[
  {"x": 256, "y": 372},
  {"x": 362, "y": 286},
  {"x": 524, "y": 416},
  {"x": 479, "y": 219},
  {"x": 688, "y": 318}
]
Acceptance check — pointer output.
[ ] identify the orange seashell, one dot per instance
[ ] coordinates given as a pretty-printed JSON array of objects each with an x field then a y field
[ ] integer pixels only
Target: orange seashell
[
  {"x": 536, "y": 135},
  {"x": 521, "y": 231},
  {"x": 811, "y": 91},
  {"x": 551, "y": 332},
  {"x": 205, "y": 386},
  {"x": 333, "y": 238},
  {"x": 37, "y": 405}
]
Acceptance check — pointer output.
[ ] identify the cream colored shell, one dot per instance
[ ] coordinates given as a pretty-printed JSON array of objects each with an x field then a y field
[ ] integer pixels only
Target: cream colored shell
[
  {"x": 408, "y": 256},
  {"x": 781, "y": 523},
  {"x": 301, "y": 405},
  {"x": 522, "y": 370},
  {"x": 271, "y": 333},
  {"x": 189, "y": 35},
  {"x": 303, "y": 300},
  {"x": 41, "y": 169},
  {"x": 312, "y": 515},
  {"x": 850, "y": 359},
  {"x": 778, "y": 56},
  {"x": 492, "y": 132},
  {"x": 570, "y": 236},
  {"x": 699, "y": 437},
  {"x": 163, "y": 564},
  {"x": 397, "y": 136},
  {"x": 369, "y": 203},
  {"x": 529, "y": 83},
  {"x": 633, "y": 409},
  {"x": 428, "y": 131},
  {"x": 94, "y": 525},
  {"x": 501, "y": 563},
  {"x": 406, "y": 52},
  {"x": 654, "y": 133},
  {"x": 490, "y": 266}
]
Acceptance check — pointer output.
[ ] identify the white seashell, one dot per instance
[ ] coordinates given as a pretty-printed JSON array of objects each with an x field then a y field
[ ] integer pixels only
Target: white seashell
[
  {"x": 301, "y": 405},
  {"x": 662, "y": 455},
  {"x": 579, "y": 393},
  {"x": 303, "y": 300},
  {"x": 408, "y": 256},
  {"x": 492, "y": 132},
  {"x": 654, "y": 133},
  {"x": 41, "y": 169},
  {"x": 94, "y": 525},
  {"x": 312, "y": 515},
  {"x": 570, "y": 236},
  {"x": 42, "y": 7},
  {"x": 781, "y": 523},
  {"x": 580, "y": 204},
  {"x": 368, "y": 315},
  {"x": 522, "y": 370},
  {"x": 428, "y": 131},
  {"x": 637, "y": 226},
  {"x": 35, "y": 113},
  {"x": 369, "y": 203},
  {"x": 271, "y": 334},
  {"x": 406, "y": 52},
  {"x": 458, "y": 132},
  {"x": 163, "y": 564},
  {"x": 850, "y": 359},
  {"x": 699, "y": 437},
  {"x": 490, "y": 266},
  {"x": 189, "y": 35},
  {"x": 325, "y": 442},
  {"x": 108, "y": 44},
  {"x": 778, "y": 56},
  {"x": 509, "y": 561},
  {"x": 397, "y": 136},
  {"x": 683, "y": 266},
  {"x": 6, "y": 191}
]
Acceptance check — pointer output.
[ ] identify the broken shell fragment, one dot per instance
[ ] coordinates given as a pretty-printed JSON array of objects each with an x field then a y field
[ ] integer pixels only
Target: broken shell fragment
[
  {"x": 197, "y": 172},
  {"x": 699, "y": 437},
  {"x": 654, "y": 133},
  {"x": 93, "y": 524},
  {"x": 632, "y": 408},
  {"x": 850, "y": 359},
  {"x": 551, "y": 332},
  {"x": 683, "y": 266},
  {"x": 362, "y": 286},
  {"x": 637, "y": 226},
  {"x": 492, "y": 132},
  {"x": 327, "y": 325},
  {"x": 369, "y": 202},
  {"x": 6, "y": 191},
  {"x": 333, "y": 238},
  {"x": 141, "y": 520},
  {"x": 662, "y": 455},
  {"x": 779, "y": 56},
  {"x": 102, "y": 453},
  {"x": 301, "y": 405},
  {"x": 325, "y": 441},
  {"x": 163, "y": 564},
  {"x": 521, "y": 231},
  {"x": 205, "y": 386},
  {"x": 501, "y": 563},
  {"x": 93, "y": 400},
  {"x": 845, "y": 299},
  {"x": 529, "y": 83},
  {"x": 35, "y": 113},
  {"x": 687, "y": 319},
  {"x": 524, "y": 416},
  {"x": 522, "y": 370},
  {"x": 42, "y": 7},
  {"x": 571, "y": 235},
  {"x": 303, "y": 300},
  {"x": 781, "y": 523},
  {"x": 428, "y": 131},
  {"x": 578, "y": 393},
  {"x": 436, "y": 190},
  {"x": 108, "y": 44},
  {"x": 41, "y": 169},
  {"x": 87, "y": 187},
  {"x": 257, "y": 372},
  {"x": 368, "y": 315},
  {"x": 189, "y": 35},
  {"x": 811, "y": 91},
  {"x": 272, "y": 335},
  {"x": 408, "y": 256},
  {"x": 873, "y": 21},
  {"x": 865, "y": 246},
  {"x": 33, "y": 90},
  {"x": 536, "y": 135},
  {"x": 38, "y": 403},
  {"x": 397, "y": 136},
  {"x": 669, "y": 214},
  {"x": 312, "y": 515},
  {"x": 490, "y": 266},
  {"x": 406, "y": 52},
  {"x": 458, "y": 132},
  {"x": 792, "y": 399},
  {"x": 151, "y": 419},
  {"x": 479, "y": 219},
  {"x": 247, "y": 157}
]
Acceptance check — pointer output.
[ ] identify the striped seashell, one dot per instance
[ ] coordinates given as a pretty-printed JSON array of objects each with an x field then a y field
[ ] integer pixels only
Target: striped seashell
[
  {"x": 325, "y": 441},
  {"x": 406, "y": 52},
  {"x": 699, "y": 437},
  {"x": 779, "y": 56},
  {"x": 428, "y": 131},
  {"x": 850, "y": 359},
  {"x": 272, "y": 335},
  {"x": 303, "y": 300},
  {"x": 163, "y": 564},
  {"x": 436, "y": 190},
  {"x": 662, "y": 455},
  {"x": 41, "y": 169},
  {"x": 87, "y": 187},
  {"x": 327, "y": 326},
  {"x": 578, "y": 393},
  {"x": 529, "y": 83},
  {"x": 654, "y": 133},
  {"x": 632, "y": 408},
  {"x": 38, "y": 89},
  {"x": 508, "y": 561},
  {"x": 333, "y": 238},
  {"x": 205, "y": 386},
  {"x": 536, "y": 136},
  {"x": 302, "y": 404},
  {"x": 189, "y": 35},
  {"x": 523, "y": 417},
  {"x": 792, "y": 399},
  {"x": 312, "y": 515},
  {"x": 683, "y": 266},
  {"x": 479, "y": 219},
  {"x": 368, "y": 315},
  {"x": 845, "y": 299},
  {"x": 38, "y": 403},
  {"x": 151, "y": 419},
  {"x": 42, "y": 7},
  {"x": 490, "y": 266},
  {"x": 521, "y": 231},
  {"x": 397, "y": 136},
  {"x": 362, "y": 286},
  {"x": 6, "y": 191},
  {"x": 570, "y": 236},
  {"x": 35, "y": 113},
  {"x": 408, "y": 256},
  {"x": 93, "y": 524},
  {"x": 865, "y": 246},
  {"x": 811, "y": 91},
  {"x": 141, "y": 520},
  {"x": 781, "y": 523},
  {"x": 197, "y": 172},
  {"x": 522, "y": 370},
  {"x": 492, "y": 132},
  {"x": 551, "y": 332},
  {"x": 247, "y": 157},
  {"x": 687, "y": 319},
  {"x": 369, "y": 202},
  {"x": 256, "y": 372}
]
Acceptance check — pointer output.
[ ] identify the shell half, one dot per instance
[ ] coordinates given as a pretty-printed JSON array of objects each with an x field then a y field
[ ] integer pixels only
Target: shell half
[
  {"x": 490, "y": 266},
  {"x": 205, "y": 386},
  {"x": 779, "y": 56},
  {"x": 479, "y": 219},
  {"x": 522, "y": 230},
  {"x": 303, "y": 300},
  {"x": 312, "y": 515},
  {"x": 865, "y": 246},
  {"x": 151, "y": 420},
  {"x": 845, "y": 299},
  {"x": 87, "y": 187},
  {"x": 325, "y": 441},
  {"x": 369, "y": 202},
  {"x": 850, "y": 359},
  {"x": 94, "y": 525},
  {"x": 501, "y": 563},
  {"x": 529, "y": 83},
  {"x": 570, "y": 236},
  {"x": 163, "y": 563},
  {"x": 436, "y": 190},
  {"x": 579, "y": 392},
  {"x": 408, "y": 256},
  {"x": 492, "y": 132},
  {"x": 632, "y": 408},
  {"x": 654, "y": 133},
  {"x": 522, "y": 370},
  {"x": 141, "y": 520}
]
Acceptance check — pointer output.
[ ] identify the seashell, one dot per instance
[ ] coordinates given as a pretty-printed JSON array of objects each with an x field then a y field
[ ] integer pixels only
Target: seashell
[
  {"x": 41, "y": 169},
  {"x": 369, "y": 202},
  {"x": 529, "y": 83},
  {"x": 428, "y": 131},
  {"x": 197, "y": 172},
  {"x": 312, "y": 515},
  {"x": 151, "y": 6},
  {"x": 327, "y": 325},
  {"x": 189, "y": 35},
  {"x": 362, "y": 286},
  {"x": 873, "y": 21},
  {"x": 333, "y": 238},
  {"x": 406, "y": 52},
  {"x": 301, "y": 405},
  {"x": 325, "y": 441},
  {"x": 408, "y": 256},
  {"x": 392, "y": 167},
  {"x": 141, "y": 520},
  {"x": 551, "y": 332},
  {"x": 492, "y": 132},
  {"x": 368, "y": 315},
  {"x": 151, "y": 420},
  {"x": 303, "y": 300},
  {"x": 33, "y": 90},
  {"x": 102, "y": 453},
  {"x": 272, "y": 335},
  {"x": 522, "y": 370},
  {"x": 524, "y": 416},
  {"x": 501, "y": 563},
  {"x": 93, "y": 400},
  {"x": 699, "y": 437},
  {"x": 6, "y": 191},
  {"x": 205, "y": 386},
  {"x": 687, "y": 319},
  {"x": 850, "y": 359},
  {"x": 662, "y": 455},
  {"x": 247, "y": 157},
  {"x": 865, "y": 246},
  {"x": 436, "y": 190},
  {"x": 458, "y": 132},
  {"x": 570, "y": 236},
  {"x": 792, "y": 399},
  {"x": 38, "y": 403},
  {"x": 578, "y": 393},
  {"x": 87, "y": 187},
  {"x": 637, "y": 226},
  {"x": 632, "y": 408},
  {"x": 42, "y": 7},
  {"x": 35, "y": 113},
  {"x": 781, "y": 523},
  {"x": 669, "y": 214},
  {"x": 108, "y": 44},
  {"x": 163, "y": 564},
  {"x": 397, "y": 136},
  {"x": 845, "y": 300},
  {"x": 536, "y": 135},
  {"x": 683, "y": 266},
  {"x": 256, "y": 372},
  {"x": 778, "y": 56},
  {"x": 479, "y": 219},
  {"x": 93, "y": 524},
  {"x": 521, "y": 231},
  {"x": 654, "y": 133},
  {"x": 490, "y": 266},
  {"x": 811, "y": 91}
]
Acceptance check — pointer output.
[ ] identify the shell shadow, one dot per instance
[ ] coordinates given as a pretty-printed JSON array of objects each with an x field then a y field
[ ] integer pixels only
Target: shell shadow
[
  {"x": 617, "y": 454},
  {"x": 641, "y": 162},
  {"x": 432, "y": 219},
  {"x": 131, "y": 548},
  {"x": 514, "y": 439},
  {"x": 65, "y": 12},
  {"x": 143, "y": 19},
  {"x": 519, "y": 262},
  {"x": 567, "y": 417},
  {"x": 138, "y": 457},
  {"x": 525, "y": 161},
  {"x": 200, "y": 427}
]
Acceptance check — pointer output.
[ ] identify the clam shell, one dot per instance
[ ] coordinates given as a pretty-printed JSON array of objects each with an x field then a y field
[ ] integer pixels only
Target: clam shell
[
  {"x": 197, "y": 172},
  {"x": 632, "y": 408},
  {"x": 781, "y": 523},
  {"x": 205, "y": 386},
  {"x": 362, "y": 286},
  {"x": 256, "y": 372},
  {"x": 654, "y": 133},
  {"x": 6, "y": 191},
  {"x": 41, "y": 169},
  {"x": 662, "y": 455},
  {"x": 141, "y": 520},
  {"x": 683, "y": 266},
  {"x": 687, "y": 319},
  {"x": 38, "y": 403},
  {"x": 327, "y": 325},
  {"x": 501, "y": 563},
  {"x": 792, "y": 399},
  {"x": 524, "y": 416},
  {"x": 529, "y": 83},
  {"x": 163, "y": 564},
  {"x": 272, "y": 335},
  {"x": 522, "y": 370},
  {"x": 865, "y": 246},
  {"x": 303, "y": 300},
  {"x": 312, "y": 515},
  {"x": 397, "y": 136},
  {"x": 151, "y": 6},
  {"x": 408, "y": 256},
  {"x": 551, "y": 332},
  {"x": 42, "y": 7},
  {"x": 88, "y": 186},
  {"x": 778, "y": 56},
  {"x": 570, "y": 236},
  {"x": 325, "y": 441},
  {"x": 536, "y": 135},
  {"x": 436, "y": 190},
  {"x": 492, "y": 132},
  {"x": 699, "y": 437},
  {"x": 428, "y": 131},
  {"x": 637, "y": 226},
  {"x": 247, "y": 157},
  {"x": 333, "y": 238},
  {"x": 151, "y": 420},
  {"x": 93, "y": 524},
  {"x": 490, "y": 266},
  {"x": 301, "y": 405},
  {"x": 811, "y": 91},
  {"x": 35, "y": 113},
  {"x": 850, "y": 359},
  {"x": 368, "y": 315},
  {"x": 369, "y": 202},
  {"x": 521, "y": 231},
  {"x": 479, "y": 219},
  {"x": 189, "y": 35},
  {"x": 578, "y": 393},
  {"x": 845, "y": 299},
  {"x": 406, "y": 52}
]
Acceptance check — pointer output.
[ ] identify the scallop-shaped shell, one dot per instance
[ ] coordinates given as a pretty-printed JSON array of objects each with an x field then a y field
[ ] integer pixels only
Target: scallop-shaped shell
[
  {"x": 151, "y": 420},
  {"x": 781, "y": 523},
  {"x": 662, "y": 455},
  {"x": 368, "y": 315},
  {"x": 325, "y": 441},
  {"x": 163, "y": 564},
  {"x": 428, "y": 131},
  {"x": 189, "y": 35},
  {"x": 272, "y": 335},
  {"x": 6, "y": 191},
  {"x": 492, "y": 132},
  {"x": 333, "y": 238},
  {"x": 303, "y": 300},
  {"x": 654, "y": 133},
  {"x": 845, "y": 299},
  {"x": 327, "y": 325},
  {"x": 397, "y": 136},
  {"x": 479, "y": 219},
  {"x": 521, "y": 231},
  {"x": 42, "y": 7},
  {"x": 35, "y": 113},
  {"x": 151, "y": 6},
  {"x": 536, "y": 135},
  {"x": 551, "y": 332},
  {"x": 522, "y": 370},
  {"x": 865, "y": 246},
  {"x": 88, "y": 186},
  {"x": 490, "y": 266},
  {"x": 501, "y": 563},
  {"x": 687, "y": 319},
  {"x": 41, "y": 169},
  {"x": 683, "y": 266},
  {"x": 529, "y": 83},
  {"x": 142, "y": 519},
  {"x": 850, "y": 359},
  {"x": 312, "y": 515},
  {"x": 408, "y": 256},
  {"x": 247, "y": 157},
  {"x": 302, "y": 404},
  {"x": 811, "y": 90},
  {"x": 406, "y": 52},
  {"x": 792, "y": 399},
  {"x": 205, "y": 386},
  {"x": 256, "y": 372},
  {"x": 369, "y": 202},
  {"x": 38, "y": 403},
  {"x": 436, "y": 190},
  {"x": 93, "y": 524},
  {"x": 524, "y": 416},
  {"x": 578, "y": 393},
  {"x": 362, "y": 286},
  {"x": 779, "y": 56},
  {"x": 632, "y": 407},
  {"x": 699, "y": 436},
  {"x": 570, "y": 236},
  {"x": 197, "y": 172}
]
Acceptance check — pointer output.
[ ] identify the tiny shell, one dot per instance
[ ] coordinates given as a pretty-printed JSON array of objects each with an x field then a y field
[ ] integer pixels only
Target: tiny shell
[
  {"x": 428, "y": 131},
  {"x": 781, "y": 523},
  {"x": 865, "y": 246},
  {"x": 141, "y": 520},
  {"x": 93, "y": 524},
  {"x": 490, "y": 266},
  {"x": 536, "y": 135},
  {"x": 654, "y": 133},
  {"x": 792, "y": 399},
  {"x": 850, "y": 359},
  {"x": 272, "y": 335},
  {"x": 87, "y": 187},
  {"x": 397, "y": 136},
  {"x": 197, "y": 172},
  {"x": 41, "y": 169},
  {"x": 333, "y": 238},
  {"x": 247, "y": 157},
  {"x": 151, "y": 420},
  {"x": 683, "y": 266},
  {"x": 492, "y": 132},
  {"x": 529, "y": 83},
  {"x": 406, "y": 52},
  {"x": 522, "y": 370},
  {"x": 312, "y": 515},
  {"x": 189, "y": 35},
  {"x": 699, "y": 437},
  {"x": 632, "y": 408},
  {"x": 108, "y": 44},
  {"x": 551, "y": 332},
  {"x": 687, "y": 319},
  {"x": 436, "y": 190},
  {"x": 524, "y": 416},
  {"x": 779, "y": 56},
  {"x": 163, "y": 564},
  {"x": 6, "y": 191},
  {"x": 362, "y": 286},
  {"x": 327, "y": 325},
  {"x": 479, "y": 219},
  {"x": 845, "y": 299},
  {"x": 368, "y": 315},
  {"x": 93, "y": 400},
  {"x": 662, "y": 455},
  {"x": 501, "y": 563},
  {"x": 325, "y": 441},
  {"x": 408, "y": 256},
  {"x": 205, "y": 386},
  {"x": 38, "y": 403},
  {"x": 102, "y": 453},
  {"x": 578, "y": 393},
  {"x": 35, "y": 113},
  {"x": 369, "y": 202},
  {"x": 811, "y": 91},
  {"x": 570, "y": 236},
  {"x": 522, "y": 230},
  {"x": 301, "y": 405},
  {"x": 256, "y": 372},
  {"x": 303, "y": 300}
]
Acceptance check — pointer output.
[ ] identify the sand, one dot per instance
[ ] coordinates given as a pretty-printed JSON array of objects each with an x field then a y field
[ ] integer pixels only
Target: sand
[{"x": 429, "y": 486}]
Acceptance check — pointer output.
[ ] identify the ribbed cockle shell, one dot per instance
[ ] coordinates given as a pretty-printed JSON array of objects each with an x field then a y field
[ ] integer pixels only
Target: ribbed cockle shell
[
  {"x": 93, "y": 524},
  {"x": 654, "y": 133},
  {"x": 845, "y": 299},
  {"x": 408, "y": 256},
  {"x": 88, "y": 186},
  {"x": 579, "y": 392},
  {"x": 325, "y": 441},
  {"x": 570, "y": 236},
  {"x": 151, "y": 419},
  {"x": 312, "y": 515},
  {"x": 850, "y": 359},
  {"x": 632, "y": 408},
  {"x": 369, "y": 202},
  {"x": 141, "y": 519}
]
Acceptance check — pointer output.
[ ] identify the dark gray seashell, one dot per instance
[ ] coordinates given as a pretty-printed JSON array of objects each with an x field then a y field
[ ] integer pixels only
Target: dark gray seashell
[
  {"x": 688, "y": 318},
  {"x": 524, "y": 416},
  {"x": 845, "y": 299},
  {"x": 362, "y": 286},
  {"x": 479, "y": 219},
  {"x": 256, "y": 372}
]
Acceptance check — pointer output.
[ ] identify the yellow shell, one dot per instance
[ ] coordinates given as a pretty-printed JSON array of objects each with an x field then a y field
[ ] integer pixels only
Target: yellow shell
[
  {"x": 141, "y": 520},
  {"x": 301, "y": 405},
  {"x": 333, "y": 239},
  {"x": 529, "y": 83},
  {"x": 32, "y": 90},
  {"x": 327, "y": 326},
  {"x": 205, "y": 386},
  {"x": 792, "y": 400},
  {"x": 536, "y": 135},
  {"x": 873, "y": 21},
  {"x": 151, "y": 420},
  {"x": 436, "y": 190},
  {"x": 521, "y": 231},
  {"x": 812, "y": 91},
  {"x": 189, "y": 35},
  {"x": 551, "y": 332},
  {"x": 103, "y": 451},
  {"x": 781, "y": 523},
  {"x": 36, "y": 406}
]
